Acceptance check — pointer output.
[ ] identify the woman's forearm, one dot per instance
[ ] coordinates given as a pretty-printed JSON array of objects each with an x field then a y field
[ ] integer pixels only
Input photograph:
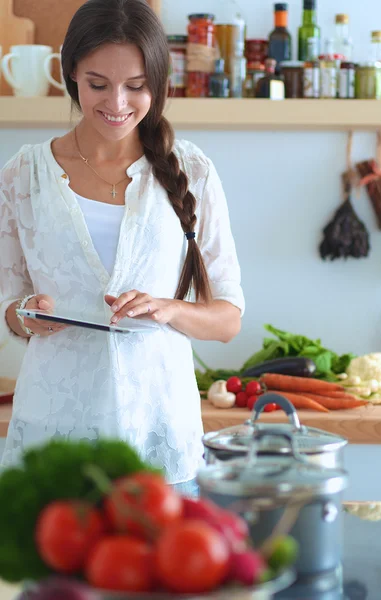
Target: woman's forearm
[
  {"x": 219, "y": 320},
  {"x": 13, "y": 322}
]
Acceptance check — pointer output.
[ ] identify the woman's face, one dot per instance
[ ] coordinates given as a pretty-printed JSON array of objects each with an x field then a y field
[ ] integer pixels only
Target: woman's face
[{"x": 112, "y": 89}]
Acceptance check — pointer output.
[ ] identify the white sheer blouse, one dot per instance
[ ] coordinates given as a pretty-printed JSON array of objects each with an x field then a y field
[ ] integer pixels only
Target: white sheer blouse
[{"x": 81, "y": 383}]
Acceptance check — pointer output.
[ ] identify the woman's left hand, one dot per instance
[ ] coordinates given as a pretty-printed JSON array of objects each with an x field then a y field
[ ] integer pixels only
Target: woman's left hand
[{"x": 135, "y": 304}]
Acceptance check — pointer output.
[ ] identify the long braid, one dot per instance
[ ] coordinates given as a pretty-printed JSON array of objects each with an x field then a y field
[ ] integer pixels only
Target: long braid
[{"x": 158, "y": 148}]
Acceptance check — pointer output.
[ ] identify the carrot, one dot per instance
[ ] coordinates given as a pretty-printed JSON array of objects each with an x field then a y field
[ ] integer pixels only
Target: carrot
[
  {"x": 300, "y": 401},
  {"x": 288, "y": 383},
  {"x": 338, "y": 403},
  {"x": 344, "y": 394}
]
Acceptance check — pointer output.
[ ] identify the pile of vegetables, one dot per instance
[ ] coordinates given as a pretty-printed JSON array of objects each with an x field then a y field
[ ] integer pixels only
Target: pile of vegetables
[
  {"x": 324, "y": 364},
  {"x": 78, "y": 516},
  {"x": 302, "y": 392}
]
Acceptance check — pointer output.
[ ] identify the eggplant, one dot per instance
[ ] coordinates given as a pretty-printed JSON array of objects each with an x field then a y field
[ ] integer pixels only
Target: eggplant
[{"x": 297, "y": 366}]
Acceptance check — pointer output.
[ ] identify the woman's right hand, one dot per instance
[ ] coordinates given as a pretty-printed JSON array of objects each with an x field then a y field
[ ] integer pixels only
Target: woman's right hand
[{"x": 42, "y": 328}]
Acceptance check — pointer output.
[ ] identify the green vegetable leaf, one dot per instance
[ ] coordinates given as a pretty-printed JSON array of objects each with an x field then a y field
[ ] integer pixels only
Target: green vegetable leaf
[
  {"x": 323, "y": 363},
  {"x": 273, "y": 350},
  {"x": 341, "y": 363}
]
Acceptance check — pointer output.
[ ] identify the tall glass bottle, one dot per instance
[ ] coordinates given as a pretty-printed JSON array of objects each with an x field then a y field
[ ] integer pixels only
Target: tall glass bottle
[
  {"x": 280, "y": 43},
  {"x": 376, "y": 46},
  {"x": 343, "y": 41},
  {"x": 309, "y": 33}
]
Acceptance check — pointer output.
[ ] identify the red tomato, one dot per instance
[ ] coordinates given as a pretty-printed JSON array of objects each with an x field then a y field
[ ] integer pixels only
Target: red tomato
[
  {"x": 142, "y": 505},
  {"x": 121, "y": 563},
  {"x": 65, "y": 533},
  {"x": 191, "y": 557},
  {"x": 278, "y": 407},
  {"x": 270, "y": 407},
  {"x": 241, "y": 400},
  {"x": 251, "y": 401},
  {"x": 253, "y": 388},
  {"x": 234, "y": 384}
]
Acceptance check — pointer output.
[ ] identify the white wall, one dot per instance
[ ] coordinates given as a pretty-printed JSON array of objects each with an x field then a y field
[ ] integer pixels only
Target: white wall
[{"x": 282, "y": 188}]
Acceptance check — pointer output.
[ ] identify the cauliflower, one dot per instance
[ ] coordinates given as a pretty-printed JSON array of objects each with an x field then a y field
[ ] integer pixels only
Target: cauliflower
[
  {"x": 366, "y": 367},
  {"x": 363, "y": 377},
  {"x": 367, "y": 511}
]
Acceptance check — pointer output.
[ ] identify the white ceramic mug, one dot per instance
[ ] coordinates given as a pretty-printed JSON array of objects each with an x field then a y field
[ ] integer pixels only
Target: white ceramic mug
[
  {"x": 27, "y": 77},
  {"x": 47, "y": 68}
]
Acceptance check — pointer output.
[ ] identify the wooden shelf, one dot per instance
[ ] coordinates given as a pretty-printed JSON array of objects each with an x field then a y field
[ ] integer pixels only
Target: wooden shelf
[{"x": 214, "y": 114}]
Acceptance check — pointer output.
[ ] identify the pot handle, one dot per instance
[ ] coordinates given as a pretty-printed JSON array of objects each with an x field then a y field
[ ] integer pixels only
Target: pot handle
[
  {"x": 259, "y": 434},
  {"x": 270, "y": 398}
]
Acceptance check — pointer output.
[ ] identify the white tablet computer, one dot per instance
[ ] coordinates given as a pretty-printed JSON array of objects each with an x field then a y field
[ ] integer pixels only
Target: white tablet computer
[{"x": 101, "y": 323}]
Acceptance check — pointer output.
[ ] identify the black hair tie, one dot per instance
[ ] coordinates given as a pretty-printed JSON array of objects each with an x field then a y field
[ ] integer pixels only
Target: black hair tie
[{"x": 190, "y": 235}]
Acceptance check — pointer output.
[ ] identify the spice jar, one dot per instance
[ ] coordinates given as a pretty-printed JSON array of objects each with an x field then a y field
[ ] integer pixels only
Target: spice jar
[
  {"x": 201, "y": 54},
  {"x": 177, "y": 78},
  {"x": 311, "y": 79},
  {"x": 347, "y": 80},
  {"x": 292, "y": 72},
  {"x": 368, "y": 81}
]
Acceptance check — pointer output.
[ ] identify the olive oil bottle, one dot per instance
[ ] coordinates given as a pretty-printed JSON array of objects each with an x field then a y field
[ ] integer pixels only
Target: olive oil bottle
[{"x": 309, "y": 33}]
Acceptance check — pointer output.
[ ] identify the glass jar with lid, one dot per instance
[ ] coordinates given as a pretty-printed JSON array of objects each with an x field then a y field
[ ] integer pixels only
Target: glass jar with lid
[
  {"x": 201, "y": 53},
  {"x": 368, "y": 81},
  {"x": 177, "y": 77},
  {"x": 292, "y": 72}
]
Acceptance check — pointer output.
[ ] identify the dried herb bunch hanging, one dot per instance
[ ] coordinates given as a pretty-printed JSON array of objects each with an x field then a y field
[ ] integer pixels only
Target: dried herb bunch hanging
[
  {"x": 370, "y": 174},
  {"x": 345, "y": 236}
]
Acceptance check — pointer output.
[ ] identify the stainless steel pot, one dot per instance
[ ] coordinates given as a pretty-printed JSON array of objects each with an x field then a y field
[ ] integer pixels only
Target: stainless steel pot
[
  {"x": 286, "y": 492},
  {"x": 318, "y": 446}
]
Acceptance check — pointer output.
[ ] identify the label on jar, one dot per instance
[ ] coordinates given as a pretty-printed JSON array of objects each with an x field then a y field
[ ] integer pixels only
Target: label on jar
[
  {"x": 347, "y": 83},
  {"x": 311, "y": 82},
  {"x": 328, "y": 82},
  {"x": 177, "y": 76}
]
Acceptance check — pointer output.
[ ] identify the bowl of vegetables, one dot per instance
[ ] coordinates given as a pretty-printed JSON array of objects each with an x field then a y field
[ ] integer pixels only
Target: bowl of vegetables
[{"x": 92, "y": 521}]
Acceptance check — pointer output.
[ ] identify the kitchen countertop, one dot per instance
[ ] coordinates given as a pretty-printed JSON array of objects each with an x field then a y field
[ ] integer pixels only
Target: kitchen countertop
[
  {"x": 359, "y": 425},
  {"x": 360, "y": 578}
]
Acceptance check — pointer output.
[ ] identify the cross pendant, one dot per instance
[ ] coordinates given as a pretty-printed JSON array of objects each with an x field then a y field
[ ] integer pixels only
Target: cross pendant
[{"x": 113, "y": 191}]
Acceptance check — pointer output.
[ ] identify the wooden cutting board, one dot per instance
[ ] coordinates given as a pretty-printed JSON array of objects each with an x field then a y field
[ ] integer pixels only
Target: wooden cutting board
[
  {"x": 52, "y": 18},
  {"x": 13, "y": 31}
]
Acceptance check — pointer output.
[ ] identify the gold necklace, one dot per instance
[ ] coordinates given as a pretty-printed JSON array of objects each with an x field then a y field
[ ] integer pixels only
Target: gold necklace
[{"x": 86, "y": 161}]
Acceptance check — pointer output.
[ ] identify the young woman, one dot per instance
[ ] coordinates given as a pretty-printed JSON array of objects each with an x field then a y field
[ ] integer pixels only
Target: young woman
[{"x": 116, "y": 218}]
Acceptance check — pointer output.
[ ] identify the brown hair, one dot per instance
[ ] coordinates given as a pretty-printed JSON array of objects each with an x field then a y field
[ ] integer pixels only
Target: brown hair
[{"x": 98, "y": 22}]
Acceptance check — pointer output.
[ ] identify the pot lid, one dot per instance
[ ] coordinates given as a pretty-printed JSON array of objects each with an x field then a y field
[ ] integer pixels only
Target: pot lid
[
  {"x": 307, "y": 440},
  {"x": 281, "y": 477}
]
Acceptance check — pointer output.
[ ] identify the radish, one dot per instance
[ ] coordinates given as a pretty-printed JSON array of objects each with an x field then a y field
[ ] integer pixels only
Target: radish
[{"x": 246, "y": 567}]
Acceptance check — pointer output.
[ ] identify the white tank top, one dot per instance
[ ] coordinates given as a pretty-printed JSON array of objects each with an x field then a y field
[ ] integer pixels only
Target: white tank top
[{"x": 103, "y": 222}]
